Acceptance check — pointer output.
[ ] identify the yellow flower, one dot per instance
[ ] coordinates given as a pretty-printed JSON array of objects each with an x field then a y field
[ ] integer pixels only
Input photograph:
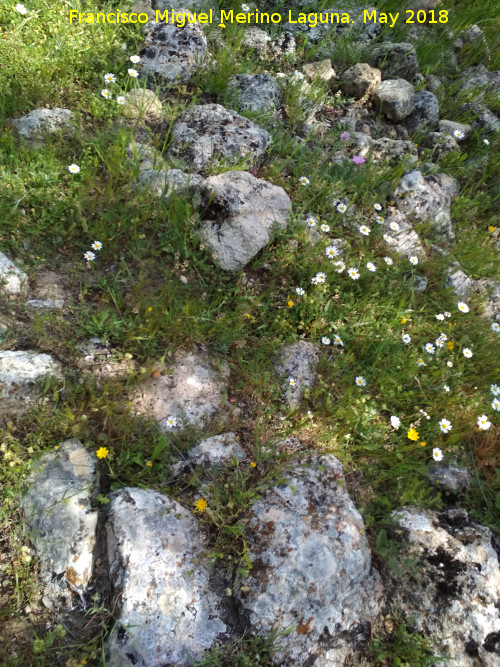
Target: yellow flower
[
  {"x": 290, "y": 303},
  {"x": 491, "y": 228},
  {"x": 422, "y": 444},
  {"x": 149, "y": 309},
  {"x": 403, "y": 320},
  {"x": 201, "y": 505},
  {"x": 102, "y": 452},
  {"x": 450, "y": 345},
  {"x": 84, "y": 661},
  {"x": 253, "y": 464},
  {"x": 248, "y": 316},
  {"x": 149, "y": 464},
  {"x": 413, "y": 434}
]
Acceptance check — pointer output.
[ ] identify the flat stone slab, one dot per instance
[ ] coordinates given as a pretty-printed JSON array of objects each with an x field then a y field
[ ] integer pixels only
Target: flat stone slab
[
  {"x": 209, "y": 133},
  {"x": 312, "y": 570},
  {"x": 192, "y": 394},
  {"x": 214, "y": 451},
  {"x": 61, "y": 521},
  {"x": 36, "y": 125},
  {"x": 168, "y": 612}
]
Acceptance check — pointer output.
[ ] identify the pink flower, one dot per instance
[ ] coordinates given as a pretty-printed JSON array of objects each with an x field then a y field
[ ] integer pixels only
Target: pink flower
[
  {"x": 345, "y": 136},
  {"x": 357, "y": 159}
]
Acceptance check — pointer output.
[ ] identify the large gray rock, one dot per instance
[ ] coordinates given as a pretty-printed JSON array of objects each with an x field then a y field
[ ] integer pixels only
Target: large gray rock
[
  {"x": 61, "y": 521},
  {"x": 405, "y": 240},
  {"x": 173, "y": 53},
  {"x": 256, "y": 92},
  {"x": 425, "y": 112},
  {"x": 394, "y": 98},
  {"x": 361, "y": 80},
  {"x": 427, "y": 199},
  {"x": 35, "y": 126},
  {"x": 321, "y": 70},
  {"x": 12, "y": 279},
  {"x": 450, "y": 127},
  {"x": 458, "y": 281},
  {"x": 214, "y": 451},
  {"x": 396, "y": 61},
  {"x": 312, "y": 570},
  {"x": 192, "y": 393},
  {"x": 449, "y": 478},
  {"x": 168, "y": 612},
  {"x": 240, "y": 216},
  {"x": 20, "y": 373},
  {"x": 459, "y": 583},
  {"x": 483, "y": 118},
  {"x": 208, "y": 133},
  {"x": 298, "y": 361}
]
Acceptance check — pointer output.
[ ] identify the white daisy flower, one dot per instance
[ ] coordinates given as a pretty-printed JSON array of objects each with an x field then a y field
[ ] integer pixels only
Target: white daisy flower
[
  {"x": 110, "y": 78},
  {"x": 449, "y": 364},
  {"x": 340, "y": 266},
  {"x": 377, "y": 207},
  {"x": 443, "y": 337},
  {"x": 364, "y": 230},
  {"x": 445, "y": 425},
  {"x": 429, "y": 347},
  {"x": 245, "y": 7},
  {"x": 446, "y": 388},
  {"x": 353, "y": 273},
  {"x": 21, "y": 8},
  {"x": 414, "y": 260},
  {"x": 482, "y": 423},
  {"x": 299, "y": 76},
  {"x": 97, "y": 245},
  {"x": 338, "y": 341},
  {"x": 171, "y": 422},
  {"x": 300, "y": 291},
  {"x": 440, "y": 317},
  {"x": 467, "y": 353},
  {"x": 133, "y": 72},
  {"x": 495, "y": 389},
  {"x": 421, "y": 362},
  {"x": 74, "y": 168},
  {"x": 371, "y": 266},
  {"x": 406, "y": 338},
  {"x": 387, "y": 238},
  {"x": 388, "y": 261},
  {"x": 438, "y": 342},
  {"x": 331, "y": 251},
  {"x": 447, "y": 314},
  {"x": 291, "y": 382},
  {"x": 380, "y": 219},
  {"x": 311, "y": 221},
  {"x": 319, "y": 278},
  {"x": 89, "y": 256},
  {"x": 458, "y": 134},
  {"x": 463, "y": 307},
  {"x": 325, "y": 228},
  {"x": 394, "y": 226},
  {"x": 325, "y": 340},
  {"x": 303, "y": 180},
  {"x": 120, "y": 99},
  {"x": 485, "y": 141},
  {"x": 360, "y": 381},
  {"x": 495, "y": 404},
  {"x": 105, "y": 93},
  {"x": 135, "y": 59},
  {"x": 341, "y": 208},
  {"x": 437, "y": 454},
  {"x": 395, "y": 422},
  {"x": 495, "y": 327}
]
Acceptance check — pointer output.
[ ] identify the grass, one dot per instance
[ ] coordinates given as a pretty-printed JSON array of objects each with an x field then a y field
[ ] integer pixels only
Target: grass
[{"x": 133, "y": 296}]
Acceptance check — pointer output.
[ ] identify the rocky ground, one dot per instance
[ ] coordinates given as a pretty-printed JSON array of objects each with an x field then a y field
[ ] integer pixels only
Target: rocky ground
[{"x": 249, "y": 325}]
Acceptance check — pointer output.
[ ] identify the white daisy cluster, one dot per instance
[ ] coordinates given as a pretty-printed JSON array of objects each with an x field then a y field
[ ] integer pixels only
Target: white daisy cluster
[
  {"x": 89, "y": 255},
  {"x": 110, "y": 79}
]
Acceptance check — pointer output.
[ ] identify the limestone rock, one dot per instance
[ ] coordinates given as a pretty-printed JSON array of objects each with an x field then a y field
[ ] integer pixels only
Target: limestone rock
[
  {"x": 425, "y": 112},
  {"x": 19, "y": 373},
  {"x": 298, "y": 361},
  {"x": 61, "y": 521},
  {"x": 405, "y": 241},
  {"x": 168, "y": 612},
  {"x": 12, "y": 279},
  {"x": 173, "y": 53},
  {"x": 205, "y": 134},
  {"x": 311, "y": 568},
  {"x": 396, "y": 61},
  {"x": 450, "y": 127},
  {"x": 449, "y": 478},
  {"x": 36, "y": 125},
  {"x": 483, "y": 118},
  {"x": 388, "y": 151},
  {"x": 472, "y": 44},
  {"x": 322, "y": 70},
  {"x": 49, "y": 291},
  {"x": 98, "y": 358},
  {"x": 459, "y": 583},
  {"x": 458, "y": 280},
  {"x": 241, "y": 215},
  {"x": 142, "y": 103},
  {"x": 428, "y": 198},
  {"x": 395, "y": 98},
  {"x": 442, "y": 144},
  {"x": 166, "y": 182},
  {"x": 213, "y": 451},
  {"x": 192, "y": 393},
  {"x": 361, "y": 80},
  {"x": 256, "y": 92},
  {"x": 256, "y": 38},
  {"x": 491, "y": 290}
]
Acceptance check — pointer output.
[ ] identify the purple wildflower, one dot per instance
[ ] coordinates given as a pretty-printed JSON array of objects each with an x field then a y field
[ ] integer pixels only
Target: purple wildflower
[
  {"x": 357, "y": 159},
  {"x": 345, "y": 136}
]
